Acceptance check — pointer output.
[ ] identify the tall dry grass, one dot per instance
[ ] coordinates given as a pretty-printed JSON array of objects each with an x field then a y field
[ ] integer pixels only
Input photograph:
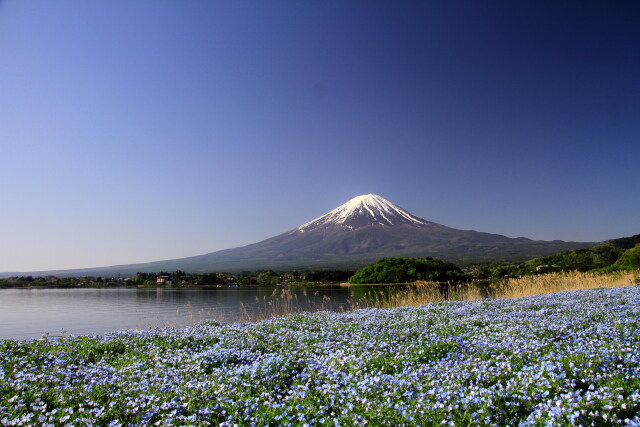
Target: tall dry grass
[
  {"x": 564, "y": 281},
  {"x": 424, "y": 292},
  {"x": 419, "y": 293},
  {"x": 283, "y": 301}
]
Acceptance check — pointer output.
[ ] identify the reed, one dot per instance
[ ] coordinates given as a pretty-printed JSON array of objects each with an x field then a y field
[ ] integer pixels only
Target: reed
[
  {"x": 564, "y": 281},
  {"x": 421, "y": 292},
  {"x": 284, "y": 301},
  {"x": 411, "y": 294},
  {"x": 424, "y": 292}
]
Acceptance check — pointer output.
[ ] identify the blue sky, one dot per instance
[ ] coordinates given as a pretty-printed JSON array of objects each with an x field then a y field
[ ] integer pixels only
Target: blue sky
[{"x": 148, "y": 130}]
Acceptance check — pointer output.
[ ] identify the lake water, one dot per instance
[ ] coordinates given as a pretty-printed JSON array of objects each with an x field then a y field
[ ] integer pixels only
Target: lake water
[{"x": 31, "y": 313}]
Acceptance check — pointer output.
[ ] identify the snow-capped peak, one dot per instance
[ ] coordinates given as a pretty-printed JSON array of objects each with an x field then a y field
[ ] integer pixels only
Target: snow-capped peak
[{"x": 369, "y": 209}]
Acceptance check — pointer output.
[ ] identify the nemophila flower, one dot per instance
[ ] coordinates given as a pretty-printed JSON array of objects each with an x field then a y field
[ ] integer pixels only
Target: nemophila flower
[{"x": 567, "y": 358}]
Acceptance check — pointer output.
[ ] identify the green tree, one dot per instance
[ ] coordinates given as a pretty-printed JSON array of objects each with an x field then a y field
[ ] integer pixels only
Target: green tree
[
  {"x": 400, "y": 270},
  {"x": 630, "y": 259}
]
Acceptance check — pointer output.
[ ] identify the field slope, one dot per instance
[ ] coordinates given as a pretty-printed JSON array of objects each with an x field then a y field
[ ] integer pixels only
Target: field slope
[{"x": 567, "y": 358}]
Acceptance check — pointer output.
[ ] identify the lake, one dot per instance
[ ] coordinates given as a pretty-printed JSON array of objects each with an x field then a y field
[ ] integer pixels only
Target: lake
[{"x": 32, "y": 313}]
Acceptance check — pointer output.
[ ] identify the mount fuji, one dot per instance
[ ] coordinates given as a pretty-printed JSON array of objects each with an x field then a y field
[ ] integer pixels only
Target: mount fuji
[{"x": 363, "y": 230}]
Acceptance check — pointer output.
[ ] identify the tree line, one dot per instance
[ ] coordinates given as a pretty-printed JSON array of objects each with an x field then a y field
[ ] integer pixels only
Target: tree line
[
  {"x": 181, "y": 278},
  {"x": 612, "y": 255}
]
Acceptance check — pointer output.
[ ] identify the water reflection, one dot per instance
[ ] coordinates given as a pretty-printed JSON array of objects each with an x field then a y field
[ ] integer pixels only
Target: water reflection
[{"x": 31, "y": 313}]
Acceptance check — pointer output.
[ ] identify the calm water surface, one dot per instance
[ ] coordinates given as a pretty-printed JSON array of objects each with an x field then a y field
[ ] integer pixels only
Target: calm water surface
[{"x": 31, "y": 313}]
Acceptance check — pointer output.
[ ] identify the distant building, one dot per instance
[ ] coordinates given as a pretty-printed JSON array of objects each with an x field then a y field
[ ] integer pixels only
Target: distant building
[
  {"x": 164, "y": 280},
  {"x": 547, "y": 268}
]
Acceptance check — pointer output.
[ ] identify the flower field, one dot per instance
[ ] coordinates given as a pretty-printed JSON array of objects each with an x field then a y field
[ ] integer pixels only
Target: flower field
[{"x": 559, "y": 359}]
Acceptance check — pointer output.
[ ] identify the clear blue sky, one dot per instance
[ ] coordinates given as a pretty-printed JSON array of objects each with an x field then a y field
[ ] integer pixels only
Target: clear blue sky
[{"x": 135, "y": 131}]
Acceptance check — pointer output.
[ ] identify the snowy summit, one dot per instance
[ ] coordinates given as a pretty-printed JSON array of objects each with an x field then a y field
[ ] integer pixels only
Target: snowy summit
[{"x": 362, "y": 211}]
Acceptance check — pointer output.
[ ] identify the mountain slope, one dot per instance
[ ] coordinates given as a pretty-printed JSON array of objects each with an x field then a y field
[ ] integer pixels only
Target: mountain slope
[
  {"x": 364, "y": 229},
  {"x": 599, "y": 256}
]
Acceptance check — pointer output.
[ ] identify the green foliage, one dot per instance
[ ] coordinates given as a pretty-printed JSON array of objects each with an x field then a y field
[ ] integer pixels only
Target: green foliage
[
  {"x": 268, "y": 277},
  {"x": 630, "y": 259},
  {"x": 612, "y": 255},
  {"x": 58, "y": 282},
  {"x": 328, "y": 275},
  {"x": 496, "y": 270},
  {"x": 598, "y": 256},
  {"x": 180, "y": 278},
  {"x": 401, "y": 270},
  {"x": 206, "y": 279}
]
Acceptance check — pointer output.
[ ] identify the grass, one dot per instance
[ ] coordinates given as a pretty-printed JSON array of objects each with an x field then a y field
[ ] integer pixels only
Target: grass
[
  {"x": 565, "y": 281},
  {"x": 284, "y": 302},
  {"x": 421, "y": 292}
]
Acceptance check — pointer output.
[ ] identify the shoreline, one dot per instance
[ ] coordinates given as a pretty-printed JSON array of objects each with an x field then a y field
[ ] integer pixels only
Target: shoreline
[{"x": 292, "y": 285}]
